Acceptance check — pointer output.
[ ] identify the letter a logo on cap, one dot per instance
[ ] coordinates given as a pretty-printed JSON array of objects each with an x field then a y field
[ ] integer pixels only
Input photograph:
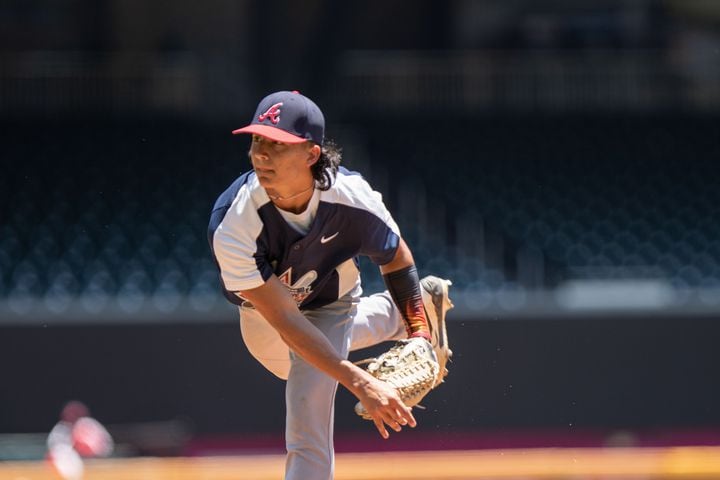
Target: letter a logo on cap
[{"x": 273, "y": 113}]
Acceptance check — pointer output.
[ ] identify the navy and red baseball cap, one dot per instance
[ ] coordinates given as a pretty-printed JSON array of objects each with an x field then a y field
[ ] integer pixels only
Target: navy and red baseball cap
[{"x": 287, "y": 117}]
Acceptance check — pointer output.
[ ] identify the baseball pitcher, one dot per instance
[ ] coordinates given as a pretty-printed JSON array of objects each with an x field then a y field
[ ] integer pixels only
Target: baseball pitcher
[{"x": 286, "y": 237}]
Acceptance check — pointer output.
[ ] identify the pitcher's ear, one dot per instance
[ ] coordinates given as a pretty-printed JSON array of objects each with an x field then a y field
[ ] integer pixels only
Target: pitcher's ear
[{"x": 314, "y": 154}]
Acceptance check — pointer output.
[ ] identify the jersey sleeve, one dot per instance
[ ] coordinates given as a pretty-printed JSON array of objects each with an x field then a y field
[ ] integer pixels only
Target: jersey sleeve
[
  {"x": 235, "y": 246},
  {"x": 379, "y": 234}
]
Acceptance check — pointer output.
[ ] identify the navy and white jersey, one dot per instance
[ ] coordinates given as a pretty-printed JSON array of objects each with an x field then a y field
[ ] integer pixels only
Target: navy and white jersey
[{"x": 251, "y": 239}]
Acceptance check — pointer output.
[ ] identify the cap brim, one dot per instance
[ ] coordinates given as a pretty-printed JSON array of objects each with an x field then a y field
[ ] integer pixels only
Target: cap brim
[{"x": 272, "y": 133}]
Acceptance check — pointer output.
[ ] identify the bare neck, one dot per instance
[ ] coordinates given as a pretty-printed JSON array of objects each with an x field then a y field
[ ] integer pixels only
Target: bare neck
[{"x": 296, "y": 204}]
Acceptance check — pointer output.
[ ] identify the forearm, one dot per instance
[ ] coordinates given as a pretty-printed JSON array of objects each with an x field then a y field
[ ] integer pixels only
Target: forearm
[
  {"x": 307, "y": 341},
  {"x": 277, "y": 307},
  {"x": 402, "y": 281},
  {"x": 381, "y": 400}
]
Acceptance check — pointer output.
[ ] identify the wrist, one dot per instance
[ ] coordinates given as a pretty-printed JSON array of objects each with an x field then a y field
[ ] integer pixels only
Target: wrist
[
  {"x": 355, "y": 378},
  {"x": 421, "y": 334}
]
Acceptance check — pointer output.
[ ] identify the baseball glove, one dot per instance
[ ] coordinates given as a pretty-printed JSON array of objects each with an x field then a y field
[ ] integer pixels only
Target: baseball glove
[{"x": 410, "y": 366}]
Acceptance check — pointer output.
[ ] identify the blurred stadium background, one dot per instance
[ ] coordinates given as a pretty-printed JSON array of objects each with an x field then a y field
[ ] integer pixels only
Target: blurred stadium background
[{"x": 556, "y": 159}]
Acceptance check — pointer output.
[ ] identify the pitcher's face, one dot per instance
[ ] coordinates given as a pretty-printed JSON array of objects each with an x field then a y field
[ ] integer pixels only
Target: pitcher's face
[{"x": 281, "y": 165}]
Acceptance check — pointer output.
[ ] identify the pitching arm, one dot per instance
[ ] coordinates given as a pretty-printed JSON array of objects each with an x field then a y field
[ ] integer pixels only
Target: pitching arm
[{"x": 381, "y": 400}]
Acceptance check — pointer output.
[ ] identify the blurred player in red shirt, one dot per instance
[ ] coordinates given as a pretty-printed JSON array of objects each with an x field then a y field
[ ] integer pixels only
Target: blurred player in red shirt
[{"x": 76, "y": 436}]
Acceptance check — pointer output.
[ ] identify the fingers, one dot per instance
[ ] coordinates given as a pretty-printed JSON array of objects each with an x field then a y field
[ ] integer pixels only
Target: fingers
[
  {"x": 402, "y": 414},
  {"x": 395, "y": 419},
  {"x": 381, "y": 428},
  {"x": 405, "y": 415},
  {"x": 386, "y": 408},
  {"x": 392, "y": 421}
]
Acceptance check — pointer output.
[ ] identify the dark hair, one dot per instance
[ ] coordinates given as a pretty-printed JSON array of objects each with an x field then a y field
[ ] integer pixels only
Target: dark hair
[{"x": 325, "y": 169}]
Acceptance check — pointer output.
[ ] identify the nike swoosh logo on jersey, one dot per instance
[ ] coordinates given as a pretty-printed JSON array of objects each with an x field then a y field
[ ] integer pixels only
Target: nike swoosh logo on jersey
[{"x": 325, "y": 239}]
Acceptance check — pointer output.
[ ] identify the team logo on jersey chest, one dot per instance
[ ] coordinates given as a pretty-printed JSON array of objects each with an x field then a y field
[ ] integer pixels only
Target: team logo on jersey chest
[{"x": 302, "y": 288}]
